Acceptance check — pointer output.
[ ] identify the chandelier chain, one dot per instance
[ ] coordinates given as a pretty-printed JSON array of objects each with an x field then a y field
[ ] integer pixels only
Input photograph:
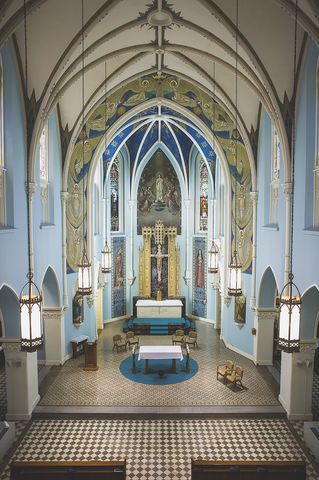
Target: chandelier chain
[
  {"x": 293, "y": 141},
  {"x": 30, "y": 273},
  {"x": 236, "y": 129},
  {"x": 83, "y": 126}
]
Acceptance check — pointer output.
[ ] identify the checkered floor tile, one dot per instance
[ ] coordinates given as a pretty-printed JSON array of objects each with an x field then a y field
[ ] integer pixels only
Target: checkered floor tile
[
  {"x": 159, "y": 449},
  {"x": 107, "y": 387}
]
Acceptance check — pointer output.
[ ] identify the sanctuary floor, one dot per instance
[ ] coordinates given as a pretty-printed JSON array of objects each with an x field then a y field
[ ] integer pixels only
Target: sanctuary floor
[
  {"x": 156, "y": 447},
  {"x": 70, "y": 385}
]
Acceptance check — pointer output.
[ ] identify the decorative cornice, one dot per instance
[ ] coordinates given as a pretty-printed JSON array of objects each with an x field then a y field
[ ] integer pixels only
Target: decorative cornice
[{"x": 12, "y": 346}]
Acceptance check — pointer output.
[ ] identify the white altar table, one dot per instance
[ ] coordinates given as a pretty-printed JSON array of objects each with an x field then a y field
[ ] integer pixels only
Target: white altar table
[
  {"x": 159, "y": 309},
  {"x": 160, "y": 352}
]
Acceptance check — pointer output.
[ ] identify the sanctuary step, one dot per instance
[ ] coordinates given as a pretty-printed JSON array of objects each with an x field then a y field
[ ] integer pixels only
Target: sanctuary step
[{"x": 158, "y": 326}]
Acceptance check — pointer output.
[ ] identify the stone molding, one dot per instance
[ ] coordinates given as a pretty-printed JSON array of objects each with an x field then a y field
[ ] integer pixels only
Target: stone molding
[{"x": 13, "y": 346}]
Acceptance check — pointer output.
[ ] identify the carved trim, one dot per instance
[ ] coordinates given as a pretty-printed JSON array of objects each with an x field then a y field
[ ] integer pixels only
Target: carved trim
[{"x": 14, "y": 346}]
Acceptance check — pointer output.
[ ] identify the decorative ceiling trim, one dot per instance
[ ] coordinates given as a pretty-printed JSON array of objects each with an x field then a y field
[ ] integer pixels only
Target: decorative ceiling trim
[{"x": 303, "y": 19}]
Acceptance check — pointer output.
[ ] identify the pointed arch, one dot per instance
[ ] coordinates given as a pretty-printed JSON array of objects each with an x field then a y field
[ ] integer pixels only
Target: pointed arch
[
  {"x": 268, "y": 289},
  {"x": 50, "y": 289},
  {"x": 309, "y": 319},
  {"x": 10, "y": 309}
]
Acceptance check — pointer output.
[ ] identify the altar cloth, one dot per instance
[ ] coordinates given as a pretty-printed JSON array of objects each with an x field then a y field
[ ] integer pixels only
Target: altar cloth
[
  {"x": 169, "y": 352},
  {"x": 159, "y": 303}
]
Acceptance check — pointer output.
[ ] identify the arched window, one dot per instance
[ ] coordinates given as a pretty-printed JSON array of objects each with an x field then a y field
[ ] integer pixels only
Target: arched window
[
  {"x": 44, "y": 176},
  {"x": 97, "y": 203},
  {"x": 3, "y": 214},
  {"x": 202, "y": 196},
  {"x": 316, "y": 163},
  {"x": 274, "y": 182},
  {"x": 115, "y": 180}
]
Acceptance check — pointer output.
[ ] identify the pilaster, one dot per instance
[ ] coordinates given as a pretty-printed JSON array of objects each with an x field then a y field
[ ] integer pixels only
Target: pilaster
[
  {"x": 54, "y": 338},
  {"x": 296, "y": 382},
  {"x": 263, "y": 340},
  {"x": 22, "y": 381}
]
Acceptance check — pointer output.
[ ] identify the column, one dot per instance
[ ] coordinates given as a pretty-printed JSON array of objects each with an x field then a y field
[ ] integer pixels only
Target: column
[
  {"x": 296, "y": 382},
  {"x": 131, "y": 277},
  {"x": 54, "y": 338},
  {"x": 254, "y": 199},
  {"x": 31, "y": 187},
  {"x": 288, "y": 195},
  {"x": 22, "y": 381},
  {"x": 64, "y": 196},
  {"x": 264, "y": 337},
  {"x": 187, "y": 275}
]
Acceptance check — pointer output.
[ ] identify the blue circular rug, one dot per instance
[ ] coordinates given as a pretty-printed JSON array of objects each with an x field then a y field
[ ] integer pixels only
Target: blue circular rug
[{"x": 159, "y": 371}]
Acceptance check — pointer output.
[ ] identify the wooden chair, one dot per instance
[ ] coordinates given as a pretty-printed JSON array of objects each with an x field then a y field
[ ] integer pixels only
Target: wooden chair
[
  {"x": 131, "y": 339},
  {"x": 118, "y": 342},
  {"x": 191, "y": 339},
  {"x": 178, "y": 337},
  {"x": 236, "y": 376},
  {"x": 226, "y": 369}
]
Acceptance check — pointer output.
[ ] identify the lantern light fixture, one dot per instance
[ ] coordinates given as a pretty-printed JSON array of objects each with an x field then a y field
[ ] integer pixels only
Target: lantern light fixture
[
  {"x": 30, "y": 299},
  {"x": 235, "y": 267},
  {"x": 290, "y": 297},
  {"x": 212, "y": 260},
  {"x": 84, "y": 266}
]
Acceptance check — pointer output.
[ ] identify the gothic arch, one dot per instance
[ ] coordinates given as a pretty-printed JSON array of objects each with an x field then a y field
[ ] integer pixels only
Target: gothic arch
[
  {"x": 50, "y": 289},
  {"x": 10, "y": 308},
  {"x": 309, "y": 317},
  {"x": 268, "y": 289}
]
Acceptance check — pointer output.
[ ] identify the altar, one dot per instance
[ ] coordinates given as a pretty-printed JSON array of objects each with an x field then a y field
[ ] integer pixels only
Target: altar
[{"x": 149, "y": 308}]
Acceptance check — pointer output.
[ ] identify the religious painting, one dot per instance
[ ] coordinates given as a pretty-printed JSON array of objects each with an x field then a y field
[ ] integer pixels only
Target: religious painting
[
  {"x": 199, "y": 277},
  {"x": 159, "y": 194},
  {"x": 240, "y": 309},
  {"x": 77, "y": 308},
  {"x": 118, "y": 277}
]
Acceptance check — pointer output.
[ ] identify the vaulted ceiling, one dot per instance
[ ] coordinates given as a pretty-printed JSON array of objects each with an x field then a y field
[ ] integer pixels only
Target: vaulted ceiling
[{"x": 193, "y": 38}]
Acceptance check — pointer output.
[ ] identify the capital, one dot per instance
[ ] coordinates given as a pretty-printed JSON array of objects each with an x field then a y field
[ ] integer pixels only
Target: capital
[
  {"x": 187, "y": 202},
  {"x": 254, "y": 197},
  {"x": 287, "y": 189},
  {"x": 30, "y": 188},
  {"x": 64, "y": 195},
  {"x": 131, "y": 203}
]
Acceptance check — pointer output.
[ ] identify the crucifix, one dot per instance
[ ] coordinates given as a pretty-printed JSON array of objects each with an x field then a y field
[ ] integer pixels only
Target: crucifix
[{"x": 159, "y": 260}]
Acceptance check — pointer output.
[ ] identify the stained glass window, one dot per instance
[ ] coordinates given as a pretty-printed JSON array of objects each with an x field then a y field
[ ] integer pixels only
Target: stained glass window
[
  {"x": 114, "y": 195},
  {"x": 203, "y": 196}
]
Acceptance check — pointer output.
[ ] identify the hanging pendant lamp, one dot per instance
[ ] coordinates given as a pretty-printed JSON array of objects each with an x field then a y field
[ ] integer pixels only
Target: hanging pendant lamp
[
  {"x": 31, "y": 327},
  {"x": 290, "y": 298},
  {"x": 235, "y": 267},
  {"x": 212, "y": 258},
  {"x": 106, "y": 254},
  {"x": 84, "y": 274}
]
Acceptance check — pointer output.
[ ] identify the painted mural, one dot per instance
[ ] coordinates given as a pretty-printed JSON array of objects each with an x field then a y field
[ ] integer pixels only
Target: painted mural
[
  {"x": 199, "y": 277},
  {"x": 118, "y": 277},
  {"x": 240, "y": 309},
  {"x": 188, "y": 95},
  {"x": 159, "y": 194},
  {"x": 77, "y": 308}
]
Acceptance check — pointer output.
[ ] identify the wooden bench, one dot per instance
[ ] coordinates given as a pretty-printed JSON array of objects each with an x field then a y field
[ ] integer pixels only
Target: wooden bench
[
  {"x": 78, "y": 343},
  {"x": 68, "y": 470},
  {"x": 248, "y": 470}
]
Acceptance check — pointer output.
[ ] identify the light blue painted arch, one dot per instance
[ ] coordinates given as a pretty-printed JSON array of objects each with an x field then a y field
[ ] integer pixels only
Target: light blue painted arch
[
  {"x": 50, "y": 289},
  {"x": 10, "y": 309},
  {"x": 268, "y": 289}
]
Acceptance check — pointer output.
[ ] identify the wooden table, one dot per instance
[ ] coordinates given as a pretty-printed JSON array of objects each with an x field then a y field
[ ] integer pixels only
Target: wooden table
[{"x": 161, "y": 352}]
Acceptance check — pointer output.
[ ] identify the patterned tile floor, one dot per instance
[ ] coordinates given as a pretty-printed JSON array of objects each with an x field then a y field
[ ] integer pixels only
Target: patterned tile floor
[
  {"x": 159, "y": 449},
  {"x": 70, "y": 385}
]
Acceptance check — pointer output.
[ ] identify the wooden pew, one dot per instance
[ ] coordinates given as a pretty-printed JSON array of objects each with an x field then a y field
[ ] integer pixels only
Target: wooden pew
[
  {"x": 68, "y": 470},
  {"x": 246, "y": 470}
]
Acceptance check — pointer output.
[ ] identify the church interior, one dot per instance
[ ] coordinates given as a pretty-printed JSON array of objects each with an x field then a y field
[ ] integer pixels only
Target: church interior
[{"x": 159, "y": 235}]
